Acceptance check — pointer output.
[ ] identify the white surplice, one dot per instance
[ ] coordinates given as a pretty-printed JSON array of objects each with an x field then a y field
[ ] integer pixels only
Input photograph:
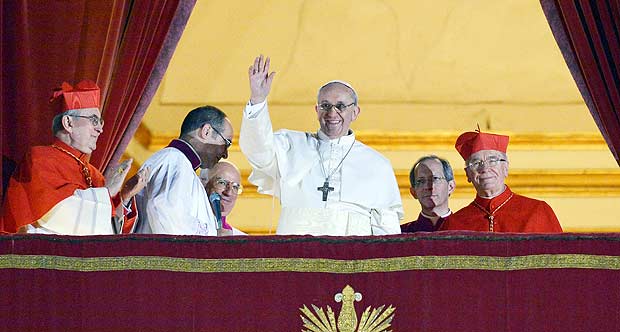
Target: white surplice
[
  {"x": 86, "y": 212},
  {"x": 174, "y": 200},
  {"x": 365, "y": 199}
]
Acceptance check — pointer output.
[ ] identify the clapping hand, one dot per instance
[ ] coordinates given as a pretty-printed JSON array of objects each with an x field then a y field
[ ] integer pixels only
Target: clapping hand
[
  {"x": 260, "y": 79},
  {"x": 114, "y": 176},
  {"x": 135, "y": 184}
]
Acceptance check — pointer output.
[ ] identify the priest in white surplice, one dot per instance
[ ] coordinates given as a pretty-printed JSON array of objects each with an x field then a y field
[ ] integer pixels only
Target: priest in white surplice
[
  {"x": 174, "y": 200},
  {"x": 327, "y": 182}
]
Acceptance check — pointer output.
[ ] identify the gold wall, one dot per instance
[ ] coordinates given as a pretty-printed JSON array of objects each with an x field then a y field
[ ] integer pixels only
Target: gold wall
[{"x": 425, "y": 71}]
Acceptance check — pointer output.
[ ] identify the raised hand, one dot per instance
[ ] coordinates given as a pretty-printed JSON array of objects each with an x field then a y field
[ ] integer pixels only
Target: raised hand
[
  {"x": 135, "y": 184},
  {"x": 260, "y": 79},
  {"x": 114, "y": 176}
]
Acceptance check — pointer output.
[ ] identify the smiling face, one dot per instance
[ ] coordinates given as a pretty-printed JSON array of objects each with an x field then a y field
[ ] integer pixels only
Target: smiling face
[
  {"x": 82, "y": 133},
  {"x": 230, "y": 174},
  {"x": 336, "y": 123},
  {"x": 489, "y": 181},
  {"x": 431, "y": 188}
]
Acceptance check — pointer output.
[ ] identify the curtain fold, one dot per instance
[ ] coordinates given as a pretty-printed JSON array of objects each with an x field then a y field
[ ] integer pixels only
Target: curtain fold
[
  {"x": 144, "y": 55},
  {"x": 588, "y": 34},
  {"x": 116, "y": 43}
]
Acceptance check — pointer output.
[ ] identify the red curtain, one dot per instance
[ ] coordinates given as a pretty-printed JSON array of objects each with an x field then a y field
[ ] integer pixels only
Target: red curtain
[
  {"x": 145, "y": 35},
  {"x": 588, "y": 33},
  {"x": 123, "y": 45}
]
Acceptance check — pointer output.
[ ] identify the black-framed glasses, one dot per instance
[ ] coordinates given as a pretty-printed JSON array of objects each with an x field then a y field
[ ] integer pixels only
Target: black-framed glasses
[
  {"x": 223, "y": 184},
  {"x": 423, "y": 181},
  {"x": 95, "y": 120},
  {"x": 491, "y": 162},
  {"x": 226, "y": 140},
  {"x": 340, "y": 107}
]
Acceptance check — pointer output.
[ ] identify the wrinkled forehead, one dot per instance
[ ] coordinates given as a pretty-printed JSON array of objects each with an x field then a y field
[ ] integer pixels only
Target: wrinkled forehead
[
  {"x": 226, "y": 172},
  {"x": 87, "y": 111},
  {"x": 486, "y": 154}
]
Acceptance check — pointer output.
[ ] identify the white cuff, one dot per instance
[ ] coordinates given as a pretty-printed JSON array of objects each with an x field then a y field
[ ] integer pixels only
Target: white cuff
[{"x": 251, "y": 111}]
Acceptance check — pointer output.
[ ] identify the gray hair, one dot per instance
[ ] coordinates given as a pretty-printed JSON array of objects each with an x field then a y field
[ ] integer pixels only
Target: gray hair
[
  {"x": 447, "y": 169},
  {"x": 57, "y": 121},
  {"x": 200, "y": 116},
  {"x": 330, "y": 83}
]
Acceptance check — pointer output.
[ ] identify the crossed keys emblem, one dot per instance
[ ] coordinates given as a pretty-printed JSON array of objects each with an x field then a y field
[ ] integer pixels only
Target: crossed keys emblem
[{"x": 372, "y": 320}]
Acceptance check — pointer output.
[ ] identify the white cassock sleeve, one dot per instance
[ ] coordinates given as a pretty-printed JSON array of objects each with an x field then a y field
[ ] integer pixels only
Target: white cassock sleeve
[
  {"x": 86, "y": 212},
  {"x": 256, "y": 140},
  {"x": 385, "y": 221},
  {"x": 174, "y": 201}
]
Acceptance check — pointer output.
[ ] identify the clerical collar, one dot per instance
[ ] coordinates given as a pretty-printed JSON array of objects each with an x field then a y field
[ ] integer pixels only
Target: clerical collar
[
  {"x": 81, "y": 155},
  {"x": 346, "y": 139},
  {"x": 188, "y": 150},
  {"x": 435, "y": 218},
  {"x": 492, "y": 203}
]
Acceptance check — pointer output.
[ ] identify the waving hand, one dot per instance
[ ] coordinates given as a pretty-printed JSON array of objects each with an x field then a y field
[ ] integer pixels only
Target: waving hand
[{"x": 260, "y": 79}]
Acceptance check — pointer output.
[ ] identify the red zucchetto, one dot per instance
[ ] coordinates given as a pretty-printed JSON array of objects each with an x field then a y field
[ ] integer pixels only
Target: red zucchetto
[
  {"x": 473, "y": 141},
  {"x": 85, "y": 94}
]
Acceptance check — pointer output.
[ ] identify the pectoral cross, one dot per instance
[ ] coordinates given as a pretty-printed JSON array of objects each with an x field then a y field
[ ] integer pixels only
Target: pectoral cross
[{"x": 325, "y": 189}]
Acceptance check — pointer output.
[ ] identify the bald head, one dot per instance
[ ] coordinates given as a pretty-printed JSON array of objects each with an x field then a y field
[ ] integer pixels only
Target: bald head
[{"x": 223, "y": 177}]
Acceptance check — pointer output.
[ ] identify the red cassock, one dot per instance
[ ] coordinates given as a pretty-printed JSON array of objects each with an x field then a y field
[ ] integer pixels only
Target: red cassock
[
  {"x": 45, "y": 177},
  {"x": 512, "y": 213}
]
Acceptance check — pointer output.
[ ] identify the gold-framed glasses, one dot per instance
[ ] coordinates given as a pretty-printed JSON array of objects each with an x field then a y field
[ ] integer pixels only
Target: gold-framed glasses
[{"x": 222, "y": 184}]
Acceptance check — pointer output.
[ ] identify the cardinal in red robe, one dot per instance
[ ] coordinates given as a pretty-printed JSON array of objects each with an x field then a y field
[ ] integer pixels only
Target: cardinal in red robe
[
  {"x": 496, "y": 208},
  {"x": 55, "y": 190}
]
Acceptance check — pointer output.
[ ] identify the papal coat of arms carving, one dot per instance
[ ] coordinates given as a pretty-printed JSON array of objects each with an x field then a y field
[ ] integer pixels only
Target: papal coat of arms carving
[{"x": 372, "y": 320}]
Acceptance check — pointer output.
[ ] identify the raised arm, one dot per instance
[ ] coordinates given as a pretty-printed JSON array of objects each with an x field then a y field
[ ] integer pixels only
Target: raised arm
[{"x": 256, "y": 137}]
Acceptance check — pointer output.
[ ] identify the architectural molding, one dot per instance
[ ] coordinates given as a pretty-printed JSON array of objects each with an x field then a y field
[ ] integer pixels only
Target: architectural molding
[{"x": 154, "y": 141}]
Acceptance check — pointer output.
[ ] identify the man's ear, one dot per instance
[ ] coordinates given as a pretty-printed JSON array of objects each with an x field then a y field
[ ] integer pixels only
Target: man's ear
[
  {"x": 356, "y": 112},
  {"x": 467, "y": 173},
  {"x": 451, "y": 187},
  {"x": 67, "y": 123},
  {"x": 204, "y": 132},
  {"x": 412, "y": 191}
]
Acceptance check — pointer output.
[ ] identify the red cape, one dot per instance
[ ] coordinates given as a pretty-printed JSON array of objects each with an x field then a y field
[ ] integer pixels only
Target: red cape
[
  {"x": 520, "y": 215},
  {"x": 45, "y": 177}
]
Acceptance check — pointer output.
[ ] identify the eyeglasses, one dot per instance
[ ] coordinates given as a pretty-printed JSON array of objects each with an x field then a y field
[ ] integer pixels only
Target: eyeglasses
[
  {"x": 491, "y": 162},
  {"x": 223, "y": 184},
  {"x": 95, "y": 120},
  {"x": 423, "y": 181},
  {"x": 340, "y": 107},
  {"x": 226, "y": 140}
]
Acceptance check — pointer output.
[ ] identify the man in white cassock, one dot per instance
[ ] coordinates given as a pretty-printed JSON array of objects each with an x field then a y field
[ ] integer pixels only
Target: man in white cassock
[
  {"x": 328, "y": 183},
  {"x": 175, "y": 201}
]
